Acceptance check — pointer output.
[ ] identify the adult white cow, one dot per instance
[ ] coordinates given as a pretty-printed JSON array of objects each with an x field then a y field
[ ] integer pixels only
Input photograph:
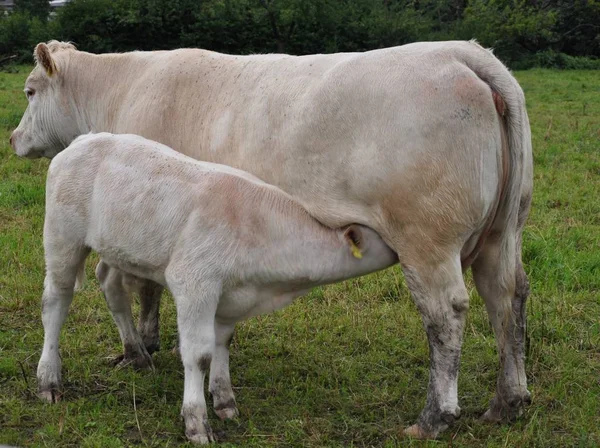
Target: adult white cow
[{"x": 428, "y": 144}]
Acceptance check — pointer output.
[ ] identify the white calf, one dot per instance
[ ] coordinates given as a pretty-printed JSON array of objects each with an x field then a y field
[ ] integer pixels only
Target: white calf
[{"x": 226, "y": 244}]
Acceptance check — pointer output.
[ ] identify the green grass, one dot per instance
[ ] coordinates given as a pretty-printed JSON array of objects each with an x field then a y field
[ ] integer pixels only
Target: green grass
[{"x": 347, "y": 365}]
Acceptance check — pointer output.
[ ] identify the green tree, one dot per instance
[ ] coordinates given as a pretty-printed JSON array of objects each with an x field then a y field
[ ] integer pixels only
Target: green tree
[
  {"x": 513, "y": 28},
  {"x": 578, "y": 26},
  {"x": 35, "y": 8},
  {"x": 522, "y": 32}
]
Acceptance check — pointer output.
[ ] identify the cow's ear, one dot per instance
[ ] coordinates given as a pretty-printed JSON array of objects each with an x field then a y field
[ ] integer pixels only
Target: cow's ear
[{"x": 44, "y": 58}]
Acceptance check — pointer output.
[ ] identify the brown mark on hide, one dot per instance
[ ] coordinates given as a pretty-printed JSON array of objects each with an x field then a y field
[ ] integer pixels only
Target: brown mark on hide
[{"x": 469, "y": 89}]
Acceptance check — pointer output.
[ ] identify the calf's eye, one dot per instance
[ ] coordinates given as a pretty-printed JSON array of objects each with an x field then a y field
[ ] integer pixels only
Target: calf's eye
[{"x": 29, "y": 93}]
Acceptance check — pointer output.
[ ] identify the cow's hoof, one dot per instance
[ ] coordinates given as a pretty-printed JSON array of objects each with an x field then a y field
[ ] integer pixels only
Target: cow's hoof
[
  {"x": 416, "y": 432},
  {"x": 227, "y": 413},
  {"x": 502, "y": 415},
  {"x": 506, "y": 411},
  {"x": 50, "y": 394},
  {"x": 432, "y": 423},
  {"x": 491, "y": 416}
]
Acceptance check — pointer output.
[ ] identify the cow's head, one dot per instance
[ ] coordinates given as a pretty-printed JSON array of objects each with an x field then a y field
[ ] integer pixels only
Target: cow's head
[{"x": 49, "y": 124}]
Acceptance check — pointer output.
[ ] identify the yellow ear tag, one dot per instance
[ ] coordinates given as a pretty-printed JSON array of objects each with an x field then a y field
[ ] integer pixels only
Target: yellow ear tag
[{"x": 355, "y": 251}]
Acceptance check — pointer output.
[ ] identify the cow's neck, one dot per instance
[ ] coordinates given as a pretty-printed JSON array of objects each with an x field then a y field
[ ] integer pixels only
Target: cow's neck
[{"x": 100, "y": 86}]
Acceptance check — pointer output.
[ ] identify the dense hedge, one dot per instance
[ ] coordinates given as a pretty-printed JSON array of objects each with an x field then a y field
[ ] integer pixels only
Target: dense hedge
[{"x": 555, "y": 33}]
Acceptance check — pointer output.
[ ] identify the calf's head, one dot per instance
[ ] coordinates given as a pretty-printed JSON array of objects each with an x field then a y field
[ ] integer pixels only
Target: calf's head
[
  {"x": 365, "y": 246},
  {"x": 49, "y": 123}
]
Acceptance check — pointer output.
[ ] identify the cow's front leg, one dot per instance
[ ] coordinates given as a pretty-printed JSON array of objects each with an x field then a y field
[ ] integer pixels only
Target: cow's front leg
[
  {"x": 112, "y": 282},
  {"x": 148, "y": 325},
  {"x": 220, "y": 381},
  {"x": 440, "y": 295}
]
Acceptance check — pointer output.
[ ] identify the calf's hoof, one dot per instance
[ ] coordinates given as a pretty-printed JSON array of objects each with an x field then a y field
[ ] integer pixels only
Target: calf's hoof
[
  {"x": 505, "y": 411},
  {"x": 200, "y": 439},
  {"x": 152, "y": 347},
  {"x": 200, "y": 436},
  {"x": 228, "y": 411},
  {"x": 50, "y": 394},
  {"x": 49, "y": 381},
  {"x": 138, "y": 363},
  {"x": 138, "y": 360},
  {"x": 197, "y": 429}
]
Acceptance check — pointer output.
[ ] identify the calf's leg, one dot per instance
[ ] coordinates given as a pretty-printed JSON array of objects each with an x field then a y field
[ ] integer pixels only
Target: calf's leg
[
  {"x": 118, "y": 300},
  {"x": 220, "y": 381},
  {"x": 148, "y": 324},
  {"x": 62, "y": 265},
  {"x": 196, "y": 307}
]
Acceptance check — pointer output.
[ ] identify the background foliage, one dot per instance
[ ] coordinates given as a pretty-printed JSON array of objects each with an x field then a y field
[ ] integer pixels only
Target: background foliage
[{"x": 524, "y": 33}]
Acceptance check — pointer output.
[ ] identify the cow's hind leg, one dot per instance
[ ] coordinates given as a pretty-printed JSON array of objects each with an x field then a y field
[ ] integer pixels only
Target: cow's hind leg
[
  {"x": 62, "y": 264},
  {"x": 439, "y": 292},
  {"x": 148, "y": 324},
  {"x": 220, "y": 381},
  {"x": 118, "y": 300},
  {"x": 502, "y": 282}
]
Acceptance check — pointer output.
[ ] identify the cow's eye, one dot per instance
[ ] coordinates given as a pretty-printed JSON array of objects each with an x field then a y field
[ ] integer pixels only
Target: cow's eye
[{"x": 29, "y": 93}]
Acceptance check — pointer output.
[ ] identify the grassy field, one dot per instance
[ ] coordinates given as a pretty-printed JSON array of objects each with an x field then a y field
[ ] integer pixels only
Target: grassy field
[{"x": 345, "y": 366}]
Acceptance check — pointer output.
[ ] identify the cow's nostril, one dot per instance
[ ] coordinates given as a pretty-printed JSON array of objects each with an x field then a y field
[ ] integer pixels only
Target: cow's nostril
[{"x": 10, "y": 140}]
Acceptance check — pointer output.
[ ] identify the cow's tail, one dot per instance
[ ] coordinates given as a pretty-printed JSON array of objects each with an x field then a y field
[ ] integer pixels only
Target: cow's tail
[{"x": 509, "y": 101}]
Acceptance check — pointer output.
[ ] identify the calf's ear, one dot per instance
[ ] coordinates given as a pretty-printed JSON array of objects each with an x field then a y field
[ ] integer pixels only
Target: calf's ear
[
  {"x": 43, "y": 57},
  {"x": 354, "y": 237}
]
